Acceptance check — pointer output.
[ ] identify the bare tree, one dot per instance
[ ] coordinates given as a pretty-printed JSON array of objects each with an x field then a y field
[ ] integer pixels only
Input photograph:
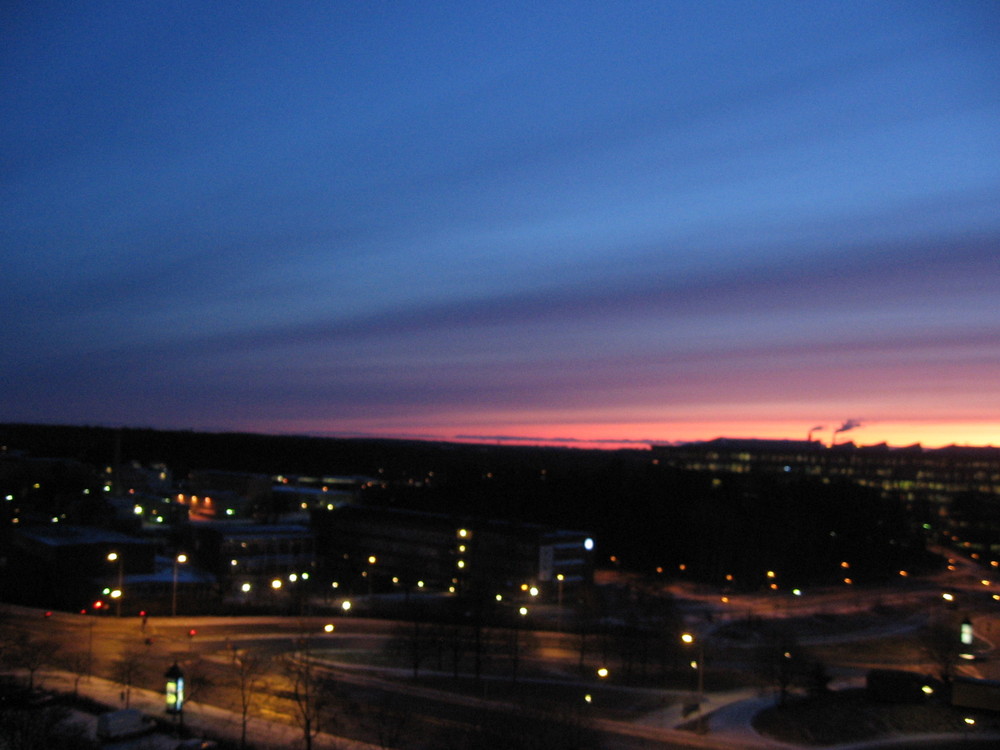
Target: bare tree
[
  {"x": 125, "y": 671},
  {"x": 415, "y": 640},
  {"x": 28, "y": 728},
  {"x": 77, "y": 664},
  {"x": 387, "y": 719},
  {"x": 21, "y": 651},
  {"x": 309, "y": 691},
  {"x": 513, "y": 643},
  {"x": 248, "y": 672},
  {"x": 459, "y": 640},
  {"x": 196, "y": 683},
  {"x": 528, "y": 728},
  {"x": 940, "y": 642}
]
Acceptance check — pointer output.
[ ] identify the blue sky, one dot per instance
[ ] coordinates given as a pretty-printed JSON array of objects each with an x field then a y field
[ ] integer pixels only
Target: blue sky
[{"x": 579, "y": 221}]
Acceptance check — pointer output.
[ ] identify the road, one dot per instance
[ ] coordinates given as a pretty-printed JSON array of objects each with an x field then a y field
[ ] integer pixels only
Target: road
[
  {"x": 370, "y": 700},
  {"x": 368, "y": 703}
]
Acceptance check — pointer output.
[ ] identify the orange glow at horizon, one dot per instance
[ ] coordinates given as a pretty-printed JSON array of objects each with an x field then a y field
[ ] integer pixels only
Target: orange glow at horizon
[{"x": 599, "y": 434}]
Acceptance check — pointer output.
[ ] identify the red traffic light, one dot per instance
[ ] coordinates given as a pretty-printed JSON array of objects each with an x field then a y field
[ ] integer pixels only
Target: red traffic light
[
  {"x": 142, "y": 613},
  {"x": 48, "y": 613},
  {"x": 192, "y": 633},
  {"x": 98, "y": 604}
]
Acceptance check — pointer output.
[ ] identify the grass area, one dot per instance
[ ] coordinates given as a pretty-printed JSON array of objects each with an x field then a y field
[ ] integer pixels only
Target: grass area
[
  {"x": 850, "y": 716},
  {"x": 889, "y": 652},
  {"x": 605, "y": 700}
]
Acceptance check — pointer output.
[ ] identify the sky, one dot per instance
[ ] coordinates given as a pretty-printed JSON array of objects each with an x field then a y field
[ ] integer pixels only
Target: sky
[{"x": 580, "y": 223}]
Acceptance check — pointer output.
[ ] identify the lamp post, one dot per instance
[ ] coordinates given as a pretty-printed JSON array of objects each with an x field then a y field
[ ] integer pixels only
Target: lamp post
[
  {"x": 688, "y": 639},
  {"x": 90, "y": 647},
  {"x": 175, "y": 690},
  {"x": 522, "y": 613},
  {"x": 182, "y": 558},
  {"x": 559, "y": 613},
  {"x": 117, "y": 593}
]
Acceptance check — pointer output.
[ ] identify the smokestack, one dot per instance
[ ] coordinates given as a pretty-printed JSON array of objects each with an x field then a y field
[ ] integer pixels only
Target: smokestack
[{"x": 850, "y": 424}]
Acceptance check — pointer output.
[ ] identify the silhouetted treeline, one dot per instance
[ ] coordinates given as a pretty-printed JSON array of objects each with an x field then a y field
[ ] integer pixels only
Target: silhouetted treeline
[
  {"x": 184, "y": 451},
  {"x": 644, "y": 514}
]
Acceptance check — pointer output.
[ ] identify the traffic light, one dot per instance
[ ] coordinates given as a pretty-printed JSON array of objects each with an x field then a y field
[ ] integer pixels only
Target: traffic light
[{"x": 192, "y": 633}]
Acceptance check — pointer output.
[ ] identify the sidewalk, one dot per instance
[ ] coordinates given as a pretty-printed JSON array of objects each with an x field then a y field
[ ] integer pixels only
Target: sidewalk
[
  {"x": 199, "y": 719},
  {"x": 727, "y": 717}
]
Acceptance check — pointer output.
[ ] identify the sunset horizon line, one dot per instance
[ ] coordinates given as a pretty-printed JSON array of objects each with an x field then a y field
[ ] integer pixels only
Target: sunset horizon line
[{"x": 827, "y": 437}]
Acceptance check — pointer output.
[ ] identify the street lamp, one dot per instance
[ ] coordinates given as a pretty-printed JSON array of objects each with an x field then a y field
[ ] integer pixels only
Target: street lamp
[
  {"x": 689, "y": 640},
  {"x": 175, "y": 689},
  {"x": 182, "y": 558},
  {"x": 369, "y": 574},
  {"x": 559, "y": 611},
  {"x": 115, "y": 557}
]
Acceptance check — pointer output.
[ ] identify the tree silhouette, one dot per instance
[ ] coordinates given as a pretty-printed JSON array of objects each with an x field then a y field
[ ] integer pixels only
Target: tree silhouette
[
  {"x": 22, "y": 651},
  {"x": 248, "y": 675},
  {"x": 125, "y": 671},
  {"x": 310, "y": 692}
]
